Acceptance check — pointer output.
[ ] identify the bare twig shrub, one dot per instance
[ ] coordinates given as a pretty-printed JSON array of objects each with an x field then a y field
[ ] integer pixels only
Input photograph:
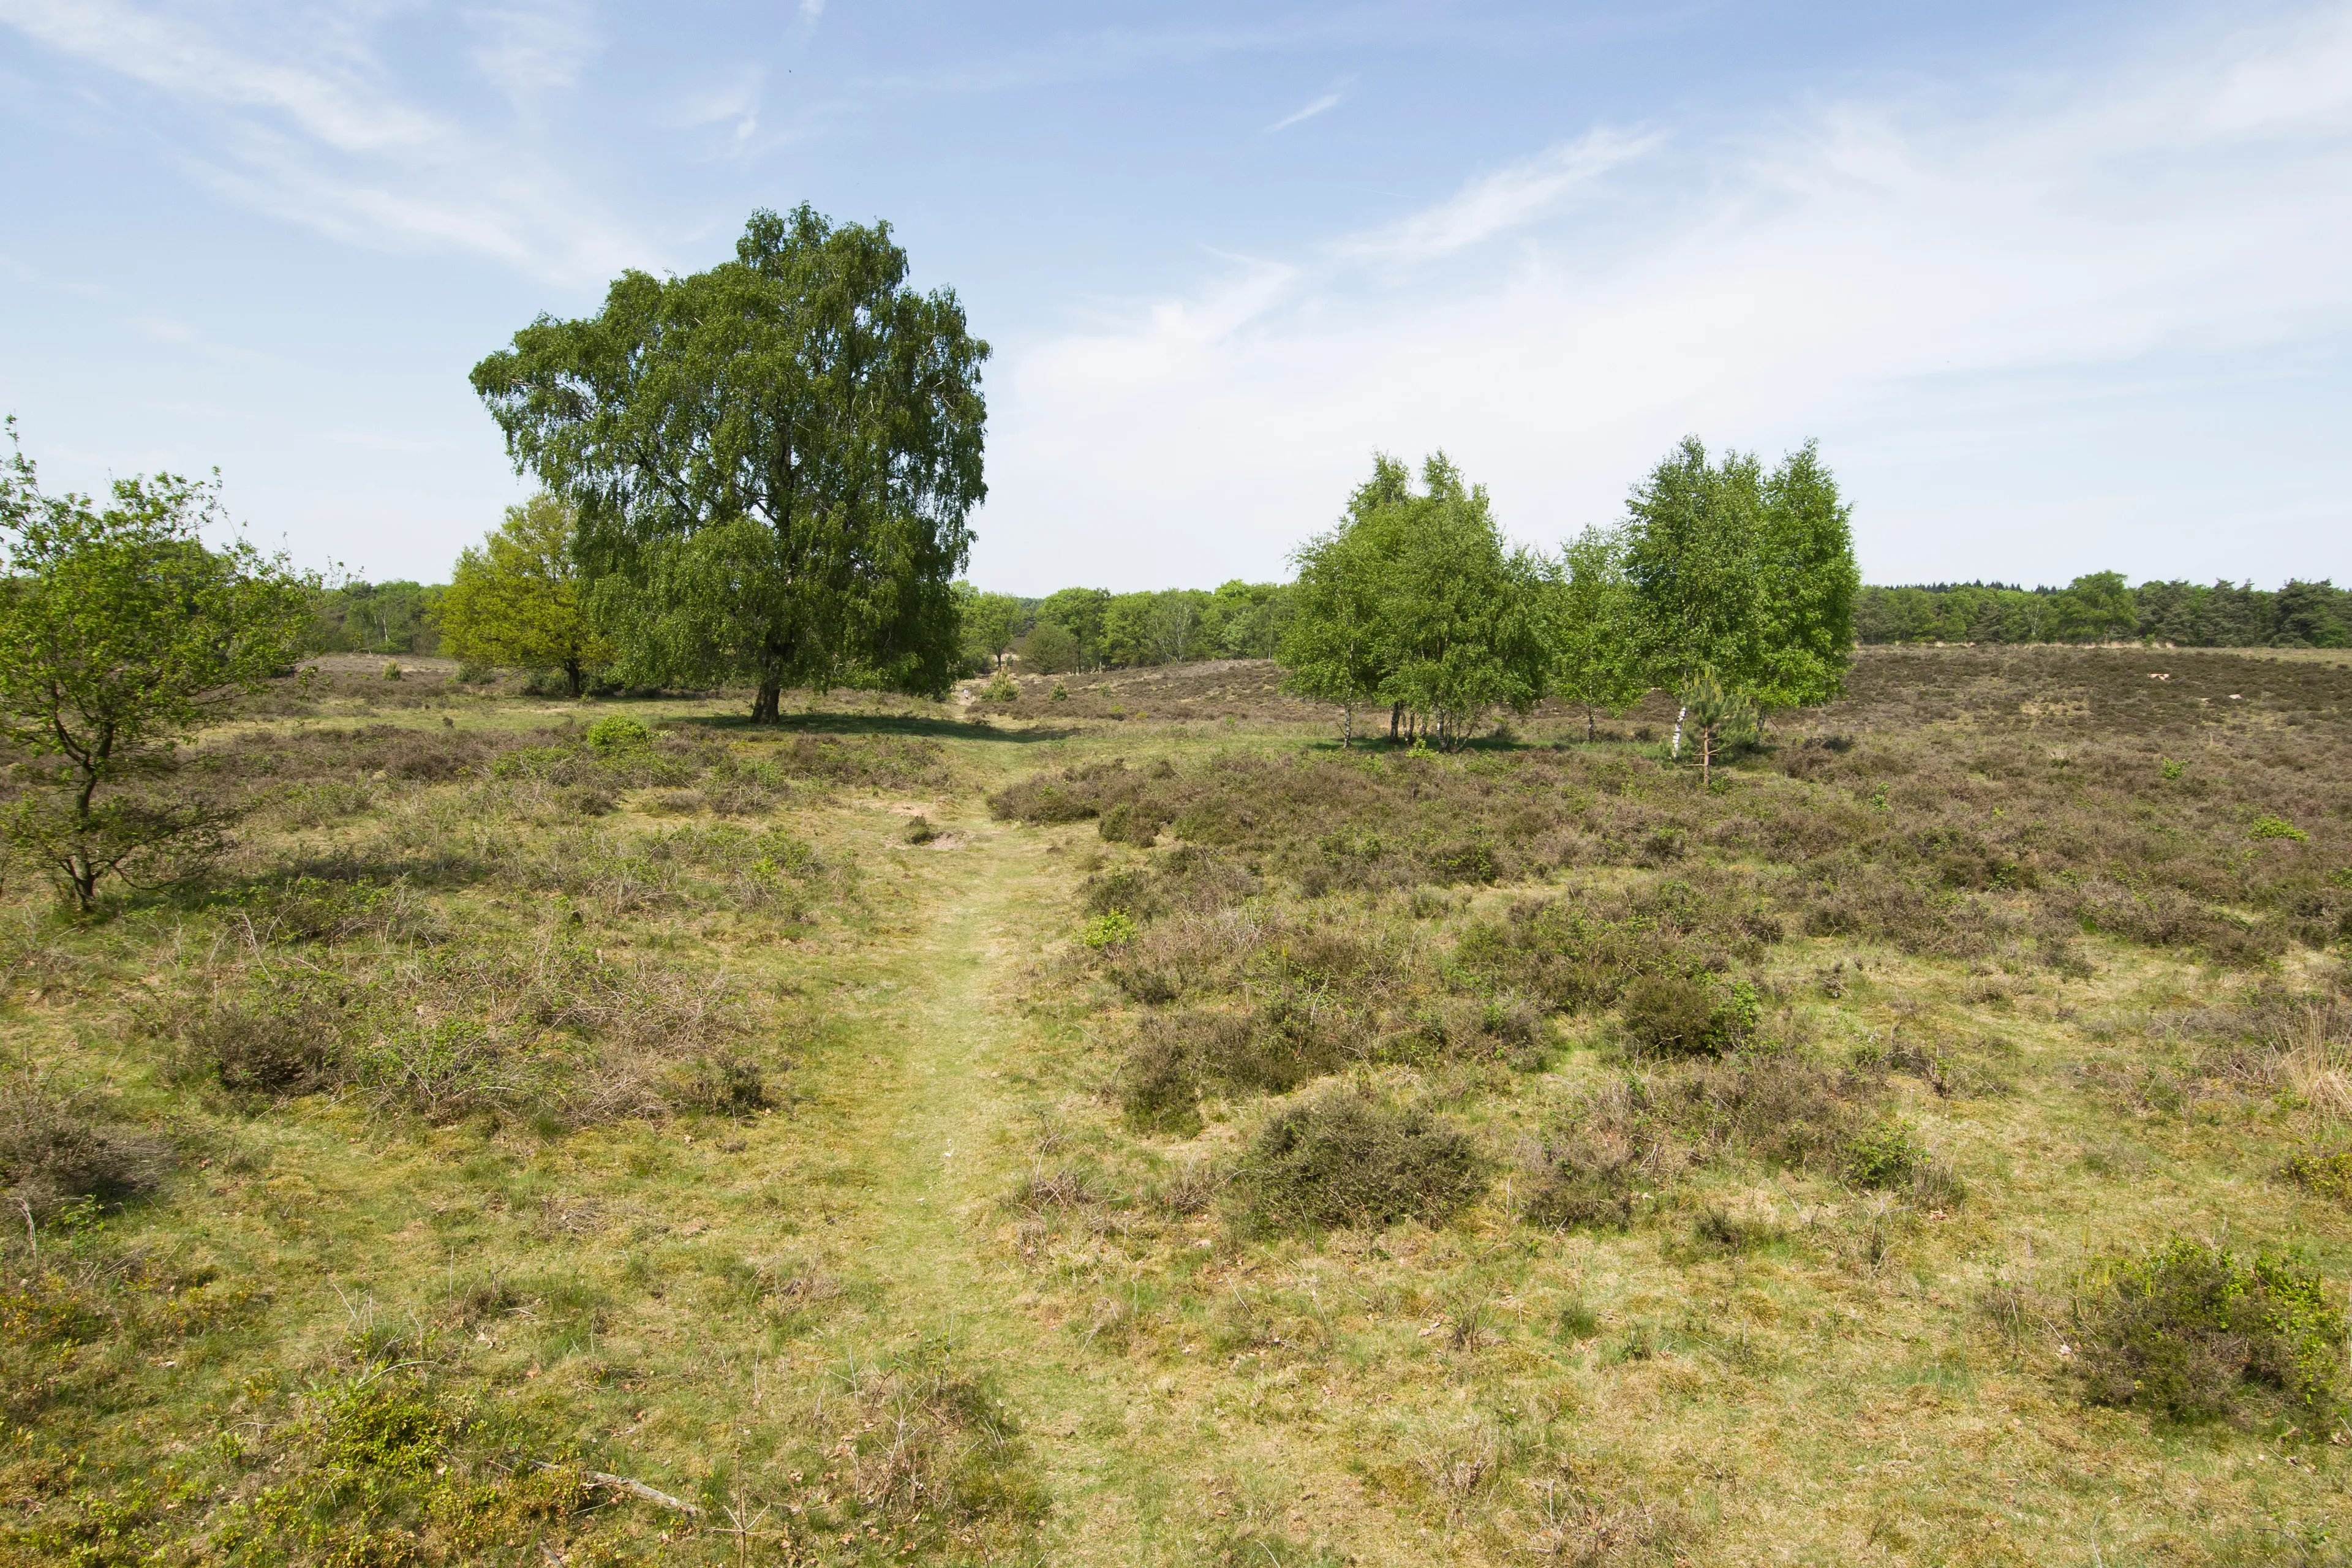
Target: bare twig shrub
[{"x": 58, "y": 1146}]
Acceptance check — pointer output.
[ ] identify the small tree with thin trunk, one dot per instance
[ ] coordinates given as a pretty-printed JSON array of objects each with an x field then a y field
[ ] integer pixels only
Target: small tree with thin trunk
[
  {"x": 120, "y": 635},
  {"x": 1715, "y": 716},
  {"x": 516, "y": 599},
  {"x": 991, "y": 625},
  {"x": 1596, "y": 662},
  {"x": 1330, "y": 651}
]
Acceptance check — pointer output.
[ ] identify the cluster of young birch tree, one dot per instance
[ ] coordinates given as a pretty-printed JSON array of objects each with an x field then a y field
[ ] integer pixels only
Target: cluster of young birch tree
[{"x": 1727, "y": 585}]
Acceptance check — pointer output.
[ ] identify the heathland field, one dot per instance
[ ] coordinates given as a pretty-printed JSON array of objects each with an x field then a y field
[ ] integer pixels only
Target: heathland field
[{"x": 1124, "y": 1127}]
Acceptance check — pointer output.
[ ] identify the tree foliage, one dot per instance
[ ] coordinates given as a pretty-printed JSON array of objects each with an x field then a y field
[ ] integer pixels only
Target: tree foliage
[
  {"x": 1080, "y": 613},
  {"x": 121, "y": 633},
  {"x": 2100, "y": 606},
  {"x": 1048, "y": 649},
  {"x": 516, "y": 599},
  {"x": 1750, "y": 573},
  {"x": 1415, "y": 601},
  {"x": 1717, "y": 716},
  {"x": 1595, "y": 663},
  {"x": 772, "y": 460},
  {"x": 357, "y": 616},
  {"x": 992, "y": 624}
]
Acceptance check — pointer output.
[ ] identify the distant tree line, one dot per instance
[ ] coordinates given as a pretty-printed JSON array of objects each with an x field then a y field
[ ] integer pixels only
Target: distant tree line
[
  {"x": 1093, "y": 628},
  {"x": 398, "y": 617},
  {"x": 2103, "y": 607}
]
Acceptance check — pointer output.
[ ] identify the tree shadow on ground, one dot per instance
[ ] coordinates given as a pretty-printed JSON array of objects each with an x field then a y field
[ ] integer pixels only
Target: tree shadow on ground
[{"x": 940, "y": 728}]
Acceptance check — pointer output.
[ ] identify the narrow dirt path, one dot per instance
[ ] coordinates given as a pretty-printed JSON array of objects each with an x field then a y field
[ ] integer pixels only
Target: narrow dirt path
[{"x": 945, "y": 1128}]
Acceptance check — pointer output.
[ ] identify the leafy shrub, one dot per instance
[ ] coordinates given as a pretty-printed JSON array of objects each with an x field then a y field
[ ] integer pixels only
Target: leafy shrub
[
  {"x": 1340, "y": 1160},
  {"x": 2329, "y": 1176},
  {"x": 2191, "y": 1331},
  {"x": 1001, "y": 690},
  {"x": 60, "y": 1146},
  {"x": 1886, "y": 1155},
  {"x": 1041, "y": 801},
  {"x": 1110, "y": 929},
  {"x": 937, "y": 1447},
  {"x": 1470, "y": 862},
  {"x": 619, "y": 735},
  {"x": 1674, "y": 1014},
  {"x": 546, "y": 1029},
  {"x": 1132, "y": 889},
  {"x": 1574, "y": 1190},
  {"x": 875, "y": 761},
  {"x": 315, "y": 910},
  {"x": 391, "y": 671},
  {"x": 1670, "y": 1013},
  {"x": 1607, "y": 1144},
  {"x": 919, "y": 830},
  {"x": 2269, "y": 827},
  {"x": 381, "y": 1472}
]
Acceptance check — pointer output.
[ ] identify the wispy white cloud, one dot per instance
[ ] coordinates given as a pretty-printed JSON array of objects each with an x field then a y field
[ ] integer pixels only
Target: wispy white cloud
[
  {"x": 811, "y": 10},
  {"x": 1507, "y": 199},
  {"x": 293, "y": 112},
  {"x": 733, "y": 102},
  {"x": 1867, "y": 268},
  {"x": 527, "y": 50},
  {"x": 1331, "y": 100}
]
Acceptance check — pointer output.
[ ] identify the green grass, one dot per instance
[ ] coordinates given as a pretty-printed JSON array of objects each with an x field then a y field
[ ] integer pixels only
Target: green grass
[{"x": 933, "y": 1294}]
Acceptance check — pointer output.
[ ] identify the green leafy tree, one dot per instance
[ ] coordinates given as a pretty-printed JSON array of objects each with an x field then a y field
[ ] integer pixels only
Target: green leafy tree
[
  {"x": 2096, "y": 606},
  {"x": 1690, "y": 554},
  {"x": 120, "y": 635},
  {"x": 375, "y": 617},
  {"x": 1750, "y": 574},
  {"x": 1331, "y": 649},
  {"x": 1252, "y": 617},
  {"x": 1807, "y": 581},
  {"x": 1463, "y": 616},
  {"x": 773, "y": 461},
  {"x": 1596, "y": 662},
  {"x": 1178, "y": 623},
  {"x": 1079, "y": 611},
  {"x": 516, "y": 600},
  {"x": 1048, "y": 649},
  {"x": 1413, "y": 600},
  {"x": 992, "y": 622},
  {"x": 1717, "y": 716}
]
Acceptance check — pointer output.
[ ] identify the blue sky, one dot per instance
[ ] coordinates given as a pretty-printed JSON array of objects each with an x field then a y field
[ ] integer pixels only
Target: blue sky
[{"x": 2058, "y": 286}]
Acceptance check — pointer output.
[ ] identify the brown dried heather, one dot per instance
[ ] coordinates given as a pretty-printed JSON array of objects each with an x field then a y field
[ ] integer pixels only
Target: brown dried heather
[{"x": 2016, "y": 815}]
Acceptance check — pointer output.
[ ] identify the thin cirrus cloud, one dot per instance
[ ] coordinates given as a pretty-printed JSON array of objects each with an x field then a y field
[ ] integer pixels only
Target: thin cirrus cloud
[
  {"x": 1507, "y": 199},
  {"x": 289, "y": 111},
  {"x": 1329, "y": 100},
  {"x": 733, "y": 102},
  {"x": 1863, "y": 271},
  {"x": 528, "y": 50}
]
